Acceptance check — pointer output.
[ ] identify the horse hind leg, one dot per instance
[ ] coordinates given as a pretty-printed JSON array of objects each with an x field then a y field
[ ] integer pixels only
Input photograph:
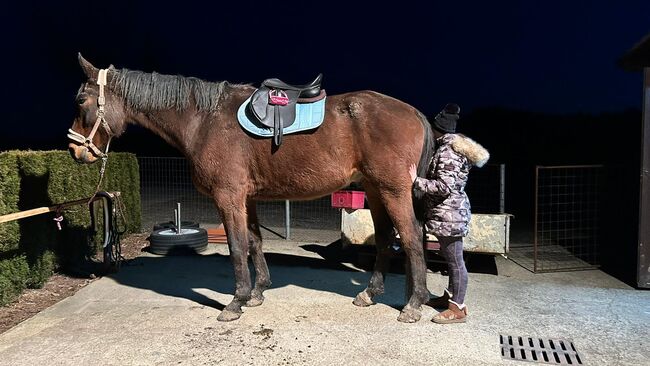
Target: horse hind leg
[
  {"x": 400, "y": 209},
  {"x": 383, "y": 239},
  {"x": 233, "y": 215},
  {"x": 262, "y": 276}
]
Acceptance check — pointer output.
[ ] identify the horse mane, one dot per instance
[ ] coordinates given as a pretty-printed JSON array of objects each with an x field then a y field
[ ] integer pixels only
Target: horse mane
[{"x": 152, "y": 91}]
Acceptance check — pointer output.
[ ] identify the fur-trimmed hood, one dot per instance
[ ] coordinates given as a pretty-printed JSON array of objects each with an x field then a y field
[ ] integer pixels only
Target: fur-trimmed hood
[{"x": 472, "y": 150}]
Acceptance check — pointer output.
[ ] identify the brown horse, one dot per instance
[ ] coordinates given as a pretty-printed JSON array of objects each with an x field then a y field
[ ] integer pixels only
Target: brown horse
[{"x": 366, "y": 137}]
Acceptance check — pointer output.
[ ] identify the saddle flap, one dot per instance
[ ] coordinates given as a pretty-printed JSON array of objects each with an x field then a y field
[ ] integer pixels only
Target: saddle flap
[
  {"x": 258, "y": 103},
  {"x": 266, "y": 112}
]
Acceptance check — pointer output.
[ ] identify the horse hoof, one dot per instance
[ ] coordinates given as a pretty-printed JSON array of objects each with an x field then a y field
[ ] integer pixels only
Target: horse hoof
[
  {"x": 228, "y": 316},
  {"x": 409, "y": 315},
  {"x": 363, "y": 300},
  {"x": 254, "y": 301}
]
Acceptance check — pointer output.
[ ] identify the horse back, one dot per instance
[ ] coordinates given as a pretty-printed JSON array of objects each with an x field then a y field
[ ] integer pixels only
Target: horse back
[{"x": 362, "y": 132}]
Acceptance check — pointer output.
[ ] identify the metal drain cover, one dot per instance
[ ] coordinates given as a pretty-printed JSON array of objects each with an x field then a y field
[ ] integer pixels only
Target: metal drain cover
[{"x": 534, "y": 349}]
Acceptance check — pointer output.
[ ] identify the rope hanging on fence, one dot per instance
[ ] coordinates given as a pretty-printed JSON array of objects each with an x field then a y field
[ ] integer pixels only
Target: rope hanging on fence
[
  {"x": 112, "y": 246},
  {"x": 113, "y": 210},
  {"x": 115, "y": 245}
]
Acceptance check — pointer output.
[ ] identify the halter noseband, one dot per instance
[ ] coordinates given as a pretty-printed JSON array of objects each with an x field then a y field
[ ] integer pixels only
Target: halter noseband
[{"x": 88, "y": 141}]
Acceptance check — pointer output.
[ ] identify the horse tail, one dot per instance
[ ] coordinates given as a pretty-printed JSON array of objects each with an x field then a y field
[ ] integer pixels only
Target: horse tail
[{"x": 425, "y": 158}]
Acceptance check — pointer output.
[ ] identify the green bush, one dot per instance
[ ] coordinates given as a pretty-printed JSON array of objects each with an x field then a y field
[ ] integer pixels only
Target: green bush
[
  {"x": 30, "y": 179},
  {"x": 9, "y": 188},
  {"x": 14, "y": 276}
]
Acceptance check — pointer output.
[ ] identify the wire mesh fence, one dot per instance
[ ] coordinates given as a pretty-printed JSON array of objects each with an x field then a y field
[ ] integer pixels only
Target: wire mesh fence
[
  {"x": 566, "y": 220},
  {"x": 163, "y": 183},
  {"x": 166, "y": 181},
  {"x": 315, "y": 220}
]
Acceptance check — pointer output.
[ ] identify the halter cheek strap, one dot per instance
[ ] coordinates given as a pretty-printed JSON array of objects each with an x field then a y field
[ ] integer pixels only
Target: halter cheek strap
[{"x": 88, "y": 141}]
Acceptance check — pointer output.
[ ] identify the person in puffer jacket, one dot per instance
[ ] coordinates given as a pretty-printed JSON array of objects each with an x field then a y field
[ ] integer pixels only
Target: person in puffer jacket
[{"x": 448, "y": 210}]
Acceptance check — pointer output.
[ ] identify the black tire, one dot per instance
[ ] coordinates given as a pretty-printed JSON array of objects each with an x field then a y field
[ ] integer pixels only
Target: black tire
[
  {"x": 171, "y": 224},
  {"x": 167, "y": 242}
]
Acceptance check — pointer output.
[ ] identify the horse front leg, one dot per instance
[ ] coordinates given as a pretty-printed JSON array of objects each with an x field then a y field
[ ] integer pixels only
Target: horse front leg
[
  {"x": 262, "y": 276},
  {"x": 233, "y": 215}
]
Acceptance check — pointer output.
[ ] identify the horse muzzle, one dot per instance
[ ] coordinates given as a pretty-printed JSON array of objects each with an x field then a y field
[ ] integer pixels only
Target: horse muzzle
[{"x": 81, "y": 154}]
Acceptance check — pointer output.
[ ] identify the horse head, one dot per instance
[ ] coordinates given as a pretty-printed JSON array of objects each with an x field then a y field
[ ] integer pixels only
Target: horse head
[{"x": 101, "y": 116}]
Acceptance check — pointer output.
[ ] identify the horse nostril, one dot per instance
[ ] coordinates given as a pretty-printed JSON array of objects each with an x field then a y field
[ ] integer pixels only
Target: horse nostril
[{"x": 73, "y": 152}]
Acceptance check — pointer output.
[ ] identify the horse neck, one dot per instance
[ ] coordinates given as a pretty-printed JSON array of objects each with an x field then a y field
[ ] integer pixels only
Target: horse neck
[{"x": 177, "y": 128}]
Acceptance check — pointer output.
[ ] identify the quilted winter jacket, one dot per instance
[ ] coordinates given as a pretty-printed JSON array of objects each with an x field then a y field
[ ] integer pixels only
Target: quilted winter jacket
[{"x": 448, "y": 208}]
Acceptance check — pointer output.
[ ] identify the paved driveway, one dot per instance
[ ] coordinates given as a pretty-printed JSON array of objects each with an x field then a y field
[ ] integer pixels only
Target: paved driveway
[{"x": 163, "y": 310}]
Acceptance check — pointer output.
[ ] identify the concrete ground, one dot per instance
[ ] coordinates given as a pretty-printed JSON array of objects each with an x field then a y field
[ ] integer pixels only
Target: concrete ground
[{"x": 163, "y": 310}]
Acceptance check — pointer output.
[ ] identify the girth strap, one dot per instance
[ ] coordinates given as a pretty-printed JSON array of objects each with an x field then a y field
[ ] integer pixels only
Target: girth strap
[{"x": 278, "y": 126}]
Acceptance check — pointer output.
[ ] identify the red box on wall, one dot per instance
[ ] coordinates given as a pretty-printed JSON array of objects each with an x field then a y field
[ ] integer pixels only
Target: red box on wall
[{"x": 348, "y": 199}]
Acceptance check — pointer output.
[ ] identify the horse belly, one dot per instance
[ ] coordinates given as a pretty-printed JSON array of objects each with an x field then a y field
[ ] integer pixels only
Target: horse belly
[{"x": 305, "y": 184}]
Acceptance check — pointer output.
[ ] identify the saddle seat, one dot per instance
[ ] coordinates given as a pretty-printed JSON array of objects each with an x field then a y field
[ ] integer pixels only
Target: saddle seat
[
  {"x": 274, "y": 103},
  {"x": 310, "y": 90}
]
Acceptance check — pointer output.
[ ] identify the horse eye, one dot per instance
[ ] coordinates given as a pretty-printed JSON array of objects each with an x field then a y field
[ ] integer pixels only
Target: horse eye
[{"x": 82, "y": 98}]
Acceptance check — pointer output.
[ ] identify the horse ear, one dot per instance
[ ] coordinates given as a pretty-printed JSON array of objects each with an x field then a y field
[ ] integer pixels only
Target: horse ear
[{"x": 88, "y": 68}]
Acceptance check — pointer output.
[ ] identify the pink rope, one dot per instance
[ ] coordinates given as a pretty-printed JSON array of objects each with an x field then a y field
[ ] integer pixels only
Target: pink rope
[{"x": 58, "y": 220}]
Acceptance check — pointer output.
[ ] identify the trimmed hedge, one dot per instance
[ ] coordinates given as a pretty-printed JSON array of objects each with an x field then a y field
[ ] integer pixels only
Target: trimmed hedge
[
  {"x": 32, "y": 248},
  {"x": 9, "y": 189}
]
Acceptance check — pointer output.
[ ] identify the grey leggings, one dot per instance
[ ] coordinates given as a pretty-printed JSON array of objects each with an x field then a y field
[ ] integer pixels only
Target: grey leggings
[{"x": 451, "y": 248}]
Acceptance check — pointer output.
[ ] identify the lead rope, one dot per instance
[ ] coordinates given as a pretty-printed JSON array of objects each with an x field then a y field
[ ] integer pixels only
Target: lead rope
[
  {"x": 120, "y": 211},
  {"x": 102, "y": 170}
]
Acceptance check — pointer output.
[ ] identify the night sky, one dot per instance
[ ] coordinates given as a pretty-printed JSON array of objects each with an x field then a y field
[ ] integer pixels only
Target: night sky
[{"x": 543, "y": 56}]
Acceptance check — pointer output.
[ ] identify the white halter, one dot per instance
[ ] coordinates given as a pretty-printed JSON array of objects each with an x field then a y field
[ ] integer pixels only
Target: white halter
[{"x": 88, "y": 141}]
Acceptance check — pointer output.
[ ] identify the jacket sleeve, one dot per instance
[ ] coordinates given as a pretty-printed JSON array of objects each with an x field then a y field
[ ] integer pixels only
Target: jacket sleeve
[{"x": 444, "y": 177}]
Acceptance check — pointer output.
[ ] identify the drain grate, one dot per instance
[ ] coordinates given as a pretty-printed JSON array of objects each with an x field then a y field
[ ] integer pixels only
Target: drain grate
[{"x": 533, "y": 349}]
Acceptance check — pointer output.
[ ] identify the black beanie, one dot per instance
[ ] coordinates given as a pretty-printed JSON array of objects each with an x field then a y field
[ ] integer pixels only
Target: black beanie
[{"x": 445, "y": 121}]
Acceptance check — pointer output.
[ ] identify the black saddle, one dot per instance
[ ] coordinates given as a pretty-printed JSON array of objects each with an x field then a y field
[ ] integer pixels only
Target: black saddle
[
  {"x": 274, "y": 103},
  {"x": 310, "y": 90}
]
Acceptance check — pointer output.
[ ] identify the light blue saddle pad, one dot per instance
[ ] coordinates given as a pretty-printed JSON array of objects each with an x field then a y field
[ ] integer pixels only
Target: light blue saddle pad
[{"x": 308, "y": 116}]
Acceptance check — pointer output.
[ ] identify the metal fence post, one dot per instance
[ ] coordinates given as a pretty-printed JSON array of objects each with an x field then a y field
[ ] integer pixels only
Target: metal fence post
[
  {"x": 536, "y": 218},
  {"x": 502, "y": 188},
  {"x": 287, "y": 219}
]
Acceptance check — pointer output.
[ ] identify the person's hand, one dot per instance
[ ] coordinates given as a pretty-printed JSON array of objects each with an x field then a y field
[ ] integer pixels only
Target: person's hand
[{"x": 413, "y": 172}]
